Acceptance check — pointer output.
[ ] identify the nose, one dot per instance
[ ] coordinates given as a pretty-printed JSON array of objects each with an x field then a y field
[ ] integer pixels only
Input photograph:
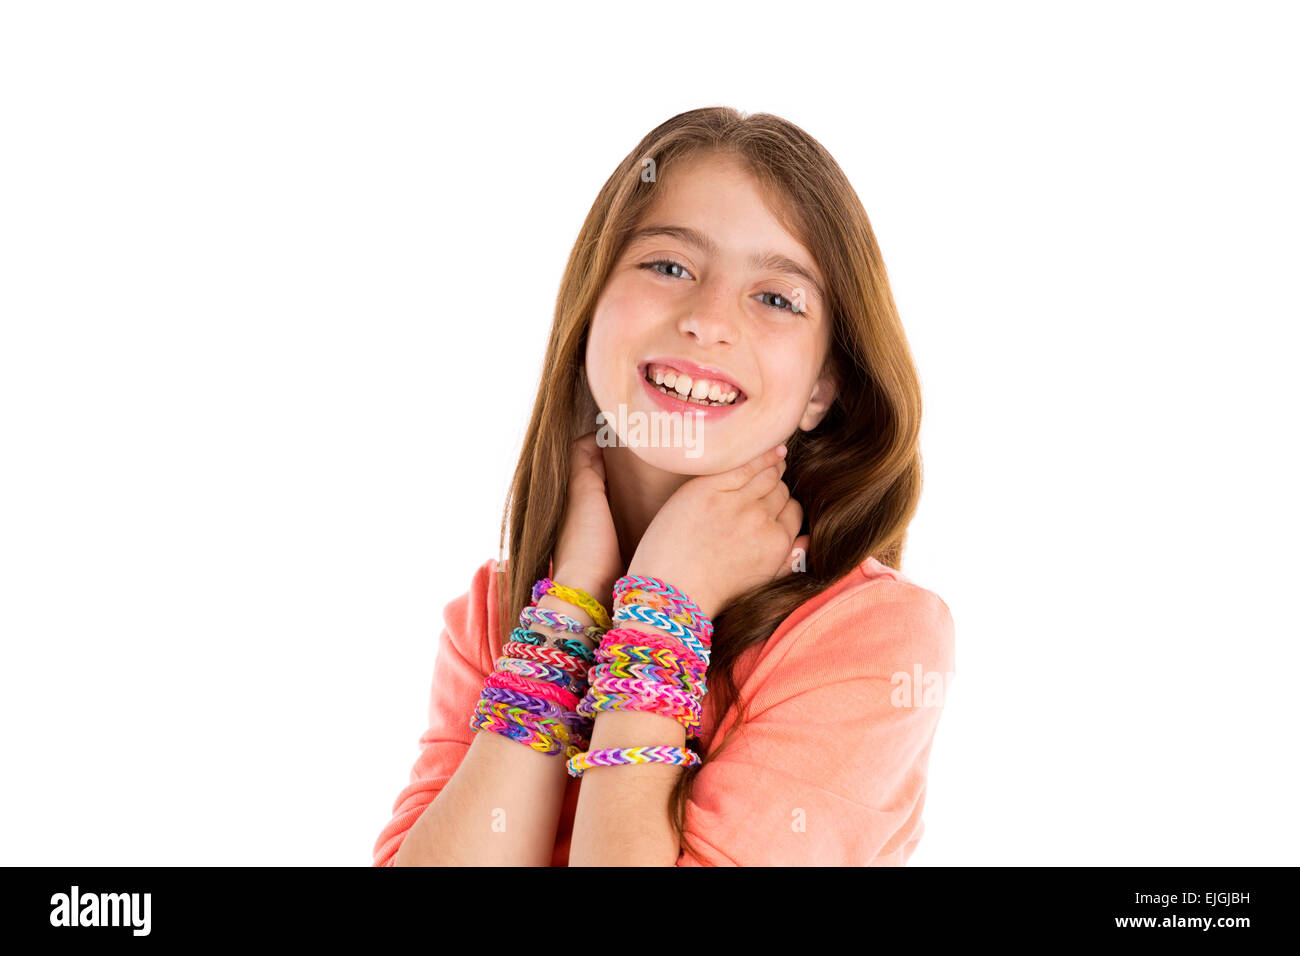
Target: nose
[{"x": 712, "y": 316}]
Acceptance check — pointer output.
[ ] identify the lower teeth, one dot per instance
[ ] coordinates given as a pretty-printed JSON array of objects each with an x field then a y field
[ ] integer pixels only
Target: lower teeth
[{"x": 677, "y": 395}]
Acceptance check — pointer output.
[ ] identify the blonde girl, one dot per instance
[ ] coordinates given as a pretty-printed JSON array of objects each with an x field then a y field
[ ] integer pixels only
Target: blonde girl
[{"x": 727, "y": 277}]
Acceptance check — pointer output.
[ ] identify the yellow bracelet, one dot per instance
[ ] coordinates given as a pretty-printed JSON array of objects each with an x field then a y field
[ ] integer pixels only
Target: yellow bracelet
[{"x": 582, "y": 599}]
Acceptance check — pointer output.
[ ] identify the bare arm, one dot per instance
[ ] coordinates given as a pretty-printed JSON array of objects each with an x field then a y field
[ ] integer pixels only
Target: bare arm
[
  {"x": 613, "y": 796},
  {"x": 502, "y": 805}
]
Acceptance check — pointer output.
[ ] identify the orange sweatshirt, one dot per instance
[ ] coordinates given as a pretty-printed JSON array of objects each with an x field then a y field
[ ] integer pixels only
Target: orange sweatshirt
[{"x": 831, "y": 768}]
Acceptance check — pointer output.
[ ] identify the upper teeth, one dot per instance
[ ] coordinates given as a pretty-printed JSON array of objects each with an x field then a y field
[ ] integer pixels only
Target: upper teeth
[{"x": 701, "y": 390}]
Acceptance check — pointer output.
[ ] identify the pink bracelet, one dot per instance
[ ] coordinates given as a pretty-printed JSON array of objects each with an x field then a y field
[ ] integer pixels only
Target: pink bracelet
[{"x": 534, "y": 686}]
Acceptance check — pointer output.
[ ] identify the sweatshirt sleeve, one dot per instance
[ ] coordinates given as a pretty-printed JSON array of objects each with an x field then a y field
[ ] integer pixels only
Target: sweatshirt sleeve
[
  {"x": 831, "y": 768},
  {"x": 459, "y": 670}
]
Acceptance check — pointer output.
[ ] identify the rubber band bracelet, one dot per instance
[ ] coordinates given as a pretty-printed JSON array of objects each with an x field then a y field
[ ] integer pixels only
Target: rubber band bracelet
[
  {"x": 656, "y": 643},
  {"x": 547, "y": 672},
  {"x": 654, "y": 617},
  {"x": 577, "y": 724},
  {"x": 574, "y": 596},
  {"x": 568, "y": 645},
  {"x": 535, "y": 688},
  {"x": 665, "y": 605},
  {"x": 532, "y": 614},
  {"x": 554, "y": 727},
  {"x": 642, "y": 652},
  {"x": 607, "y": 693},
  {"x": 487, "y": 718},
  {"x": 598, "y": 701},
  {"x": 610, "y": 757},
  {"x": 629, "y": 645},
  {"x": 655, "y": 672},
  {"x": 659, "y": 602},
  {"x": 645, "y": 615},
  {"x": 648, "y": 688},
  {"x": 547, "y": 655},
  {"x": 683, "y": 603},
  {"x": 534, "y": 701}
]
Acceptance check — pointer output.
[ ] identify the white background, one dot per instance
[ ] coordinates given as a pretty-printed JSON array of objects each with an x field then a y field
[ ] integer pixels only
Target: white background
[{"x": 275, "y": 283}]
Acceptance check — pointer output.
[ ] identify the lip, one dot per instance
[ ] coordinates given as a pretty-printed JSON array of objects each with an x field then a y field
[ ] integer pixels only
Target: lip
[
  {"x": 696, "y": 372},
  {"x": 670, "y": 404}
]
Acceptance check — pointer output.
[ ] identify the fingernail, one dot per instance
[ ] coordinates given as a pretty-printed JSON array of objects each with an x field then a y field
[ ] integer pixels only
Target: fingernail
[{"x": 780, "y": 450}]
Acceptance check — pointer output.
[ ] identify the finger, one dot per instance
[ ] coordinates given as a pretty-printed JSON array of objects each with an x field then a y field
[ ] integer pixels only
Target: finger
[
  {"x": 773, "y": 501},
  {"x": 741, "y": 475},
  {"x": 791, "y": 518},
  {"x": 583, "y": 450},
  {"x": 598, "y": 461},
  {"x": 762, "y": 484}
]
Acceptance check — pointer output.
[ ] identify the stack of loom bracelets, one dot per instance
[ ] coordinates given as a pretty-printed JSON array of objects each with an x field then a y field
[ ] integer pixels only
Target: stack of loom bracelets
[
  {"x": 640, "y": 671},
  {"x": 647, "y": 672},
  {"x": 532, "y": 694},
  {"x": 532, "y": 614}
]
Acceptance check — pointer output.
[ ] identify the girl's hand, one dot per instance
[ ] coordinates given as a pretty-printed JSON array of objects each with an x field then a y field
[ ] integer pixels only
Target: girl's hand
[
  {"x": 587, "y": 554},
  {"x": 720, "y": 535}
]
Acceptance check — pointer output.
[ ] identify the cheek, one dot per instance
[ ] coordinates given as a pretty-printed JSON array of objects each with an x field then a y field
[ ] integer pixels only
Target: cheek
[
  {"x": 788, "y": 381},
  {"x": 609, "y": 342},
  {"x": 625, "y": 306},
  {"x": 618, "y": 324}
]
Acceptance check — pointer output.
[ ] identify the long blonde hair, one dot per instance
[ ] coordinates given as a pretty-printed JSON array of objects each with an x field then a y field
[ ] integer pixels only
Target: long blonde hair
[{"x": 857, "y": 475}]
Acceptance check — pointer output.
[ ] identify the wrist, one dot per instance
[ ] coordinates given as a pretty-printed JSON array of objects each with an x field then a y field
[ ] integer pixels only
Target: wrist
[
  {"x": 592, "y": 582},
  {"x": 707, "y": 605}
]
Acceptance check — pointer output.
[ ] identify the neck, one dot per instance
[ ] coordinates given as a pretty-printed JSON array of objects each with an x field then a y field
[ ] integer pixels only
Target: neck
[{"x": 636, "y": 493}]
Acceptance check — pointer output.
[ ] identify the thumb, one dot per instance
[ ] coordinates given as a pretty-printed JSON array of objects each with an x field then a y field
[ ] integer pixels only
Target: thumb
[
  {"x": 587, "y": 454},
  {"x": 597, "y": 462},
  {"x": 797, "y": 559}
]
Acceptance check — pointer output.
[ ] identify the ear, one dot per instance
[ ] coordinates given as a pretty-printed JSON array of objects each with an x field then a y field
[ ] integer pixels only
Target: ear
[{"x": 823, "y": 395}]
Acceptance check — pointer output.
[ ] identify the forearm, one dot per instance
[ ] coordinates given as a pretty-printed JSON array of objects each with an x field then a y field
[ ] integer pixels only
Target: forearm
[
  {"x": 500, "y": 808},
  {"x": 622, "y": 817},
  {"x": 502, "y": 805}
]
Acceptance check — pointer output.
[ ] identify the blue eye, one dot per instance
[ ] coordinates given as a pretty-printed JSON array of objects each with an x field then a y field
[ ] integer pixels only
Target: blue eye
[
  {"x": 664, "y": 262},
  {"x": 788, "y": 306}
]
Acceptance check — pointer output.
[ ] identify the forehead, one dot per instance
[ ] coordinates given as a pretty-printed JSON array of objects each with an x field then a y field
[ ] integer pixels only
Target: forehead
[
  {"x": 715, "y": 204},
  {"x": 718, "y": 191}
]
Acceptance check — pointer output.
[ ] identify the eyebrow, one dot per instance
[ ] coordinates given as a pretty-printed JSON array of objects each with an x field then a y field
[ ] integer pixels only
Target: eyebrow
[{"x": 759, "y": 260}]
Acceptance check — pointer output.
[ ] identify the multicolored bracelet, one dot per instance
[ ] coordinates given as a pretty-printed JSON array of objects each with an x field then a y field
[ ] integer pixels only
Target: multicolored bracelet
[
  {"x": 672, "y": 676},
  {"x": 547, "y": 655},
  {"x": 608, "y": 692},
  {"x": 577, "y": 728},
  {"x": 635, "y": 637},
  {"x": 547, "y": 672},
  {"x": 647, "y": 615},
  {"x": 659, "y": 602},
  {"x": 540, "y": 689},
  {"x": 532, "y": 614},
  {"x": 572, "y": 646},
  {"x": 613, "y": 756},
  {"x": 544, "y": 735},
  {"x": 680, "y": 602}
]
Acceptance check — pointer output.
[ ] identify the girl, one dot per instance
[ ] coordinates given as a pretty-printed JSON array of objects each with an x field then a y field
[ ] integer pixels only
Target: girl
[{"x": 785, "y": 677}]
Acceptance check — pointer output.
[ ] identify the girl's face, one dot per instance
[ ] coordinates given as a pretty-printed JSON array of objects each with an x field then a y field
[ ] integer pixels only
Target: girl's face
[{"x": 721, "y": 305}]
